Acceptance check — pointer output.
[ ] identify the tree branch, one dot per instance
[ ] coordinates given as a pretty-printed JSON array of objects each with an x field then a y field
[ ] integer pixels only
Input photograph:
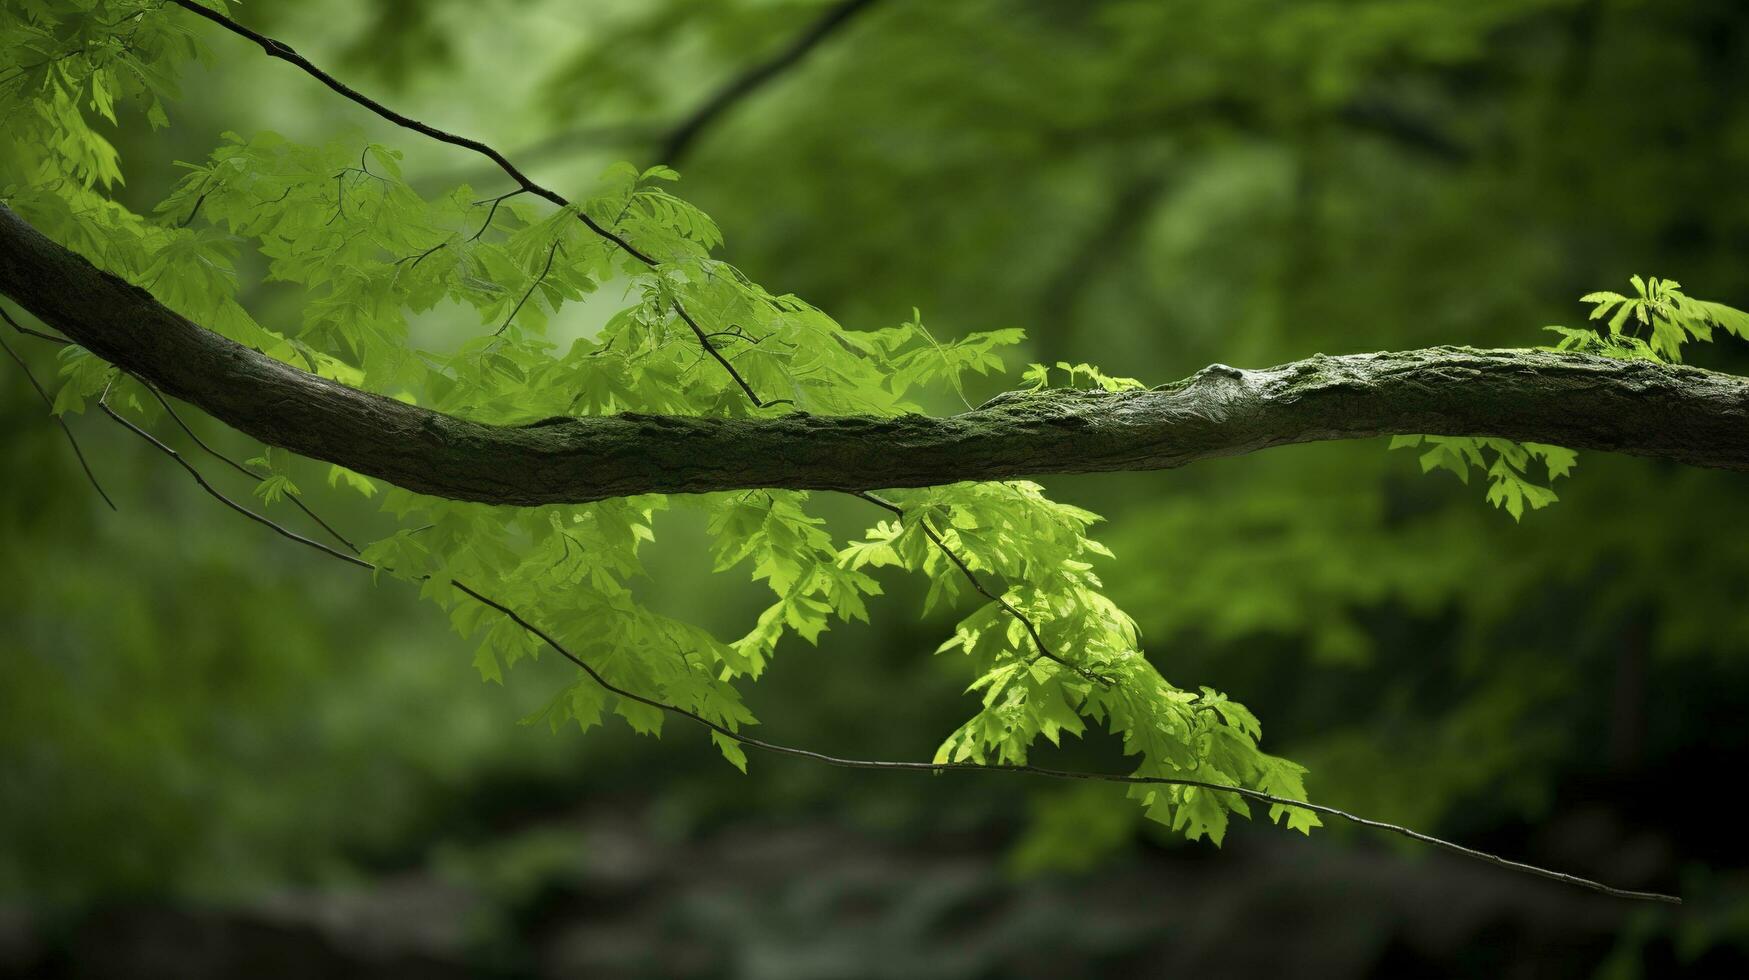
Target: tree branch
[
  {"x": 682, "y": 136},
  {"x": 25, "y": 331},
  {"x": 1682, "y": 414}
]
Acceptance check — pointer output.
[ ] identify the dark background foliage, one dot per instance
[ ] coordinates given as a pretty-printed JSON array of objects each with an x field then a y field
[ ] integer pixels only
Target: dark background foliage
[{"x": 216, "y": 750}]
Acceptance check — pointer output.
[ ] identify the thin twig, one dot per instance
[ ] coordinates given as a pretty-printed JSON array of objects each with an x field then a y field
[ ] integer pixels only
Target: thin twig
[
  {"x": 38, "y": 334},
  {"x": 422, "y": 256},
  {"x": 246, "y": 471},
  {"x": 941, "y": 767},
  {"x": 339, "y": 198},
  {"x": 710, "y": 348},
  {"x": 893, "y": 766},
  {"x": 551, "y": 251},
  {"x": 492, "y": 212},
  {"x": 185, "y": 222},
  {"x": 1031, "y": 629},
  {"x": 50, "y": 402},
  {"x": 103, "y": 403},
  {"x": 609, "y": 134}
]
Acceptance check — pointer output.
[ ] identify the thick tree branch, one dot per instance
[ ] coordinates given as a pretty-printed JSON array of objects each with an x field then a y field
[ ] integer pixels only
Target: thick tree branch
[{"x": 1682, "y": 414}]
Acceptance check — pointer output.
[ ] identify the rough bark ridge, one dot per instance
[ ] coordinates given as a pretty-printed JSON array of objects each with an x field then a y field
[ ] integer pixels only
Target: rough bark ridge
[{"x": 1677, "y": 413}]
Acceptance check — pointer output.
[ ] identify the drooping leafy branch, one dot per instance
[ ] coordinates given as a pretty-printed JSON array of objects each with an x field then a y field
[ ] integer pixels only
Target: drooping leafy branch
[
  {"x": 700, "y": 353},
  {"x": 1285, "y": 775}
]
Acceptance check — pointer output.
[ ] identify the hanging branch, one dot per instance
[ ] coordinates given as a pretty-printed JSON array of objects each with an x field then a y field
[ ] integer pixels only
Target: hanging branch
[
  {"x": 245, "y": 470},
  {"x": 895, "y": 766}
]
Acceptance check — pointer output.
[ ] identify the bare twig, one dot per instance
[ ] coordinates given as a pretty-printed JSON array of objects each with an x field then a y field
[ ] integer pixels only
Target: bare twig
[
  {"x": 422, "y": 256},
  {"x": 624, "y": 135},
  {"x": 710, "y": 348},
  {"x": 50, "y": 402},
  {"x": 38, "y": 334},
  {"x": 193, "y": 471},
  {"x": 552, "y": 250},
  {"x": 204, "y": 191},
  {"x": 492, "y": 212},
  {"x": 246, "y": 471}
]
